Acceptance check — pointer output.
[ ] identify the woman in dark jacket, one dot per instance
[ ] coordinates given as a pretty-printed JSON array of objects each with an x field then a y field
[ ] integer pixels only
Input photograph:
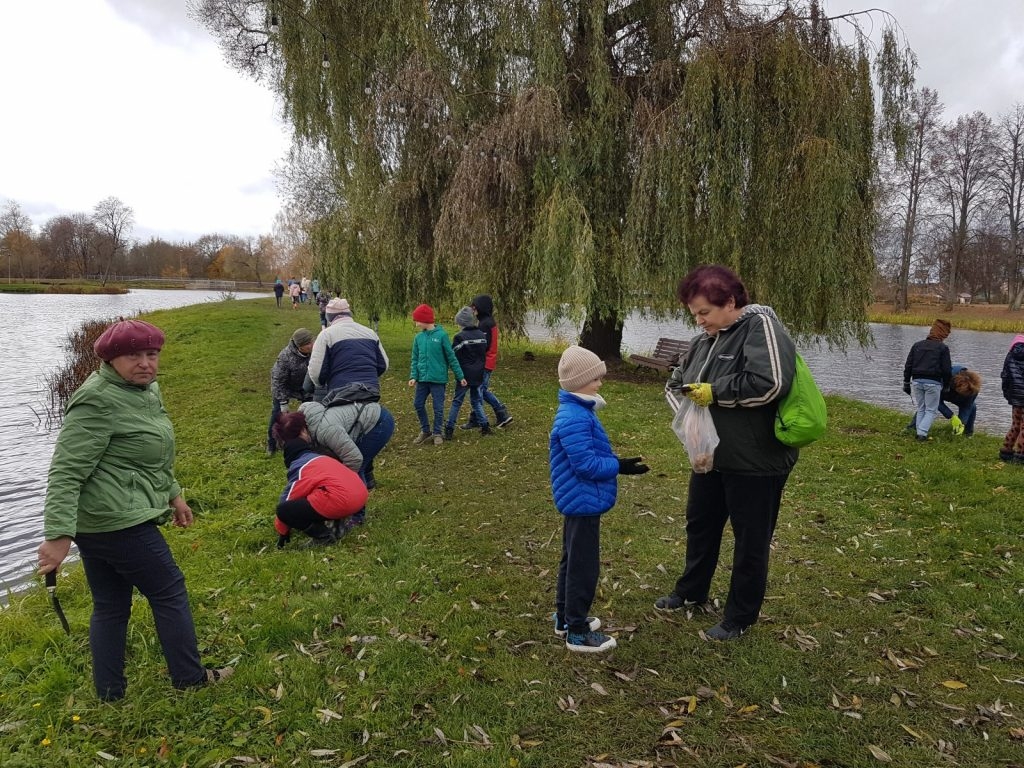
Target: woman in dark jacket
[
  {"x": 1013, "y": 390},
  {"x": 740, "y": 366}
]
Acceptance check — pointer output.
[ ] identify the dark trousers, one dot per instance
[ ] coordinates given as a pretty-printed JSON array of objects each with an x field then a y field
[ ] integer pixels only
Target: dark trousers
[
  {"x": 299, "y": 514},
  {"x": 476, "y": 404},
  {"x": 275, "y": 410},
  {"x": 578, "y": 570},
  {"x": 116, "y": 563},
  {"x": 436, "y": 393},
  {"x": 372, "y": 442},
  {"x": 751, "y": 505}
]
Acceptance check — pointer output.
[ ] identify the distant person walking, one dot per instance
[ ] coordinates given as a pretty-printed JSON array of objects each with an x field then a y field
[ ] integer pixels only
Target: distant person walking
[
  {"x": 926, "y": 373},
  {"x": 295, "y": 291},
  {"x": 1013, "y": 390},
  {"x": 470, "y": 346},
  {"x": 314, "y": 288},
  {"x": 278, "y": 291},
  {"x": 432, "y": 356}
]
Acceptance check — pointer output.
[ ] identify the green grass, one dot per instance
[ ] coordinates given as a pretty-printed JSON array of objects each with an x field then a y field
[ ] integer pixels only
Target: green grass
[{"x": 892, "y": 620}]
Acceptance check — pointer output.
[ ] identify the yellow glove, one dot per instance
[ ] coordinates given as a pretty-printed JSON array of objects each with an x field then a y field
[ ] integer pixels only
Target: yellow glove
[{"x": 700, "y": 394}]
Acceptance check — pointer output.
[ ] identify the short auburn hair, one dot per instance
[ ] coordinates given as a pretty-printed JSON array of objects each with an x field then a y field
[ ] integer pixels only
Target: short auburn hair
[
  {"x": 715, "y": 283},
  {"x": 288, "y": 426}
]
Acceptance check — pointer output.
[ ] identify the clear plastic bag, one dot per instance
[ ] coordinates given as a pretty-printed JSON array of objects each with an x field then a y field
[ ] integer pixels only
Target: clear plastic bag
[{"x": 695, "y": 429}]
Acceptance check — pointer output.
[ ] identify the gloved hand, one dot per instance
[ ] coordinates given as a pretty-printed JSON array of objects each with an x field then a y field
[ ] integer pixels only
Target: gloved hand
[
  {"x": 283, "y": 539},
  {"x": 632, "y": 466},
  {"x": 700, "y": 394},
  {"x": 906, "y": 387}
]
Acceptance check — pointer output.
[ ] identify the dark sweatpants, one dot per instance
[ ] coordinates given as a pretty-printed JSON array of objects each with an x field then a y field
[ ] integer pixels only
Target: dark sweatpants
[
  {"x": 751, "y": 504},
  {"x": 578, "y": 569},
  {"x": 116, "y": 563}
]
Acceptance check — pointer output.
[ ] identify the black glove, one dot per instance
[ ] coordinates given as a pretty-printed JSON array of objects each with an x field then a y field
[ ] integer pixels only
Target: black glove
[
  {"x": 283, "y": 539},
  {"x": 632, "y": 466},
  {"x": 906, "y": 387}
]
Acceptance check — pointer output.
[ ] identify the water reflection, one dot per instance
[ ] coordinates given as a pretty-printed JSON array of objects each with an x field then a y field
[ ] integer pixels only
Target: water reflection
[{"x": 32, "y": 337}]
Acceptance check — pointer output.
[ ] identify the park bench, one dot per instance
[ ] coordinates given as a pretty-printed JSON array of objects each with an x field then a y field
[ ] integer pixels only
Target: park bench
[{"x": 667, "y": 354}]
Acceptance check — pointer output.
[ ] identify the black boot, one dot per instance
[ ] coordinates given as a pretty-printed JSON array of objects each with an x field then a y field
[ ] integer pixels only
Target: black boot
[
  {"x": 485, "y": 429},
  {"x": 471, "y": 424},
  {"x": 502, "y": 417},
  {"x": 449, "y": 433}
]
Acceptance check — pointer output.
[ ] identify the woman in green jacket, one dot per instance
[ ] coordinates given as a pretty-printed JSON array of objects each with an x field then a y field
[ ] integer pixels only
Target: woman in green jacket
[{"x": 111, "y": 483}]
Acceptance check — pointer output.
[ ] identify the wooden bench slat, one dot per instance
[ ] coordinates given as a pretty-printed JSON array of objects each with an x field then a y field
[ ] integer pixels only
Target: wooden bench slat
[{"x": 666, "y": 354}]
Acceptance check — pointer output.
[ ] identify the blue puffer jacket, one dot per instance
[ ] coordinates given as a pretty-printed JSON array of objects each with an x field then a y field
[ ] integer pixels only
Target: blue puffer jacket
[
  {"x": 583, "y": 466},
  {"x": 1013, "y": 373}
]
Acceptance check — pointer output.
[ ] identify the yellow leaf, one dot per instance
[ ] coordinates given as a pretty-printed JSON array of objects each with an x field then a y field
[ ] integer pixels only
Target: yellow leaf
[
  {"x": 912, "y": 732},
  {"x": 267, "y": 714},
  {"x": 954, "y": 684},
  {"x": 692, "y": 706},
  {"x": 749, "y": 708}
]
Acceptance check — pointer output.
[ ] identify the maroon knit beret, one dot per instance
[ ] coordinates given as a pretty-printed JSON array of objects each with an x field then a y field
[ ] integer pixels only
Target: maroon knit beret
[{"x": 127, "y": 336}]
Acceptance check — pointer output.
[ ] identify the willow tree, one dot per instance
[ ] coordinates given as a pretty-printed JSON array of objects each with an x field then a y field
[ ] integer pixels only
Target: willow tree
[{"x": 577, "y": 156}]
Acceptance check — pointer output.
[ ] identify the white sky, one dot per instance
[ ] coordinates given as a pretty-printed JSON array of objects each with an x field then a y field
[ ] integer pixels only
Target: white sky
[{"x": 131, "y": 98}]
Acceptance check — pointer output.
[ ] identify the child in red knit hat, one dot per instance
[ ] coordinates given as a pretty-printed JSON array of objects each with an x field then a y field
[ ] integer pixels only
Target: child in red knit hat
[{"x": 432, "y": 356}]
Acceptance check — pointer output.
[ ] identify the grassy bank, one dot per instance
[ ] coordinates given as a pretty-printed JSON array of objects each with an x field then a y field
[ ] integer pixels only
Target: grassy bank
[
  {"x": 891, "y": 631},
  {"x": 62, "y": 286},
  {"x": 972, "y": 317}
]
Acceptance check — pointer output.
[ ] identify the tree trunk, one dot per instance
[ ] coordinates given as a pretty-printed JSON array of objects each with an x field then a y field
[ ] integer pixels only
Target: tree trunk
[{"x": 603, "y": 337}]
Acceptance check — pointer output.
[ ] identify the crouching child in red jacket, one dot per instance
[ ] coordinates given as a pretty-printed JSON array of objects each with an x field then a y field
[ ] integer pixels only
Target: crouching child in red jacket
[{"x": 321, "y": 492}]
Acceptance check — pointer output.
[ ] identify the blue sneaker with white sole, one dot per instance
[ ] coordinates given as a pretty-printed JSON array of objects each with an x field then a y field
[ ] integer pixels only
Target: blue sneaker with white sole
[
  {"x": 561, "y": 629},
  {"x": 589, "y": 642}
]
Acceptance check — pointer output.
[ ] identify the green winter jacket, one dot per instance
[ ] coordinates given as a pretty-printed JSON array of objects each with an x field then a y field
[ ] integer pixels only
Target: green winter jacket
[
  {"x": 432, "y": 356},
  {"x": 750, "y": 366},
  {"x": 112, "y": 467}
]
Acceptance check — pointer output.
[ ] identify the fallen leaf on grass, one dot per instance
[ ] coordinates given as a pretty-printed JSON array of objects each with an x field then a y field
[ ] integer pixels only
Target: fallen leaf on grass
[
  {"x": 912, "y": 732},
  {"x": 954, "y": 684},
  {"x": 1017, "y": 734},
  {"x": 326, "y": 715},
  {"x": 879, "y": 754},
  {"x": 598, "y": 687}
]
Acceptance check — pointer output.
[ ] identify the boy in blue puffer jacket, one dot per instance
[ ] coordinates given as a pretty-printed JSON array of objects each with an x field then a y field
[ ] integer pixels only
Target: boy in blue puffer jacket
[{"x": 583, "y": 472}]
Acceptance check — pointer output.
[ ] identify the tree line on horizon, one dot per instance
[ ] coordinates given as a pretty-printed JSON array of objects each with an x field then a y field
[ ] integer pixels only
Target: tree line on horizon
[{"x": 99, "y": 244}]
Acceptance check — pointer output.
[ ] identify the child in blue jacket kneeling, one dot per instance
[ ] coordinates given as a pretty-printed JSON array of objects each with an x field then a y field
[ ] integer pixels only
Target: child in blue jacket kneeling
[{"x": 583, "y": 480}]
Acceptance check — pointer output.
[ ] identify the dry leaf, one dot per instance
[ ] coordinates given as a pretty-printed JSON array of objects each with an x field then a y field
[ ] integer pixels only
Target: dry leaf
[
  {"x": 912, "y": 732},
  {"x": 879, "y": 754},
  {"x": 954, "y": 684},
  {"x": 441, "y": 736},
  {"x": 597, "y": 687}
]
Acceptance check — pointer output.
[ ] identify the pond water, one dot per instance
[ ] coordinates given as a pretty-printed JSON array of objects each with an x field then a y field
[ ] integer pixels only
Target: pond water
[
  {"x": 873, "y": 374},
  {"x": 35, "y": 328},
  {"x": 33, "y": 333}
]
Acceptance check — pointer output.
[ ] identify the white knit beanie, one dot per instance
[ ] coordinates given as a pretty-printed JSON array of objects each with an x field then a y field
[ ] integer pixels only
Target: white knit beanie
[{"x": 578, "y": 367}]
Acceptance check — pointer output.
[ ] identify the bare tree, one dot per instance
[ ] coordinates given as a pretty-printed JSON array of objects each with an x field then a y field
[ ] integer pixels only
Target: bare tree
[
  {"x": 114, "y": 220},
  {"x": 17, "y": 242},
  {"x": 964, "y": 161},
  {"x": 1009, "y": 171},
  {"x": 913, "y": 177},
  {"x": 70, "y": 243}
]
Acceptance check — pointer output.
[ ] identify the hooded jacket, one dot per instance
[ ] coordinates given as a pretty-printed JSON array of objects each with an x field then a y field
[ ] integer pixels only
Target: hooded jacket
[
  {"x": 332, "y": 489},
  {"x": 750, "y": 366},
  {"x": 1013, "y": 373},
  {"x": 112, "y": 467},
  {"x": 484, "y": 307},
  {"x": 583, "y": 466},
  {"x": 337, "y": 428},
  {"x": 470, "y": 345}
]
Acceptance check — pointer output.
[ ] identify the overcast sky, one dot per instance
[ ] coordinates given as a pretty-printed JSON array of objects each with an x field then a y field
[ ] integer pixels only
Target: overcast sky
[{"x": 130, "y": 98}]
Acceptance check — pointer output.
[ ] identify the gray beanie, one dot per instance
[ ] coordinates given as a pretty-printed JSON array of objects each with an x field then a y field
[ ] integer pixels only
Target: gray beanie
[
  {"x": 578, "y": 367},
  {"x": 302, "y": 336},
  {"x": 465, "y": 318}
]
